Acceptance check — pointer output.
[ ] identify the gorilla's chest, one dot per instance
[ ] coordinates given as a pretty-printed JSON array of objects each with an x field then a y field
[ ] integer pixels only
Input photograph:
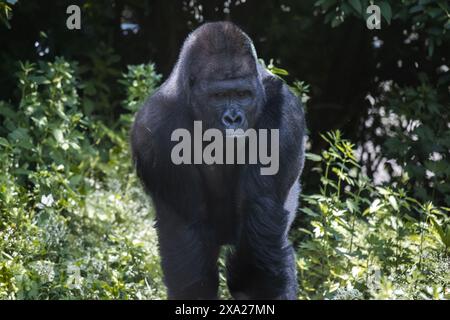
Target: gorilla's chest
[{"x": 220, "y": 187}]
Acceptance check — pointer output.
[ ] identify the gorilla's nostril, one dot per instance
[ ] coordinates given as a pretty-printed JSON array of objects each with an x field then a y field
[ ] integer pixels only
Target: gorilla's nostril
[
  {"x": 227, "y": 120},
  {"x": 230, "y": 119}
]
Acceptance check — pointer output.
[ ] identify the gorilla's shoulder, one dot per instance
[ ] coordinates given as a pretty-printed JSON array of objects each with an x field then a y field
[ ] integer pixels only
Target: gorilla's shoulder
[
  {"x": 281, "y": 103},
  {"x": 154, "y": 122},
  {"x": 272, "y": 85},
  {"x": 158, "y": 113}
]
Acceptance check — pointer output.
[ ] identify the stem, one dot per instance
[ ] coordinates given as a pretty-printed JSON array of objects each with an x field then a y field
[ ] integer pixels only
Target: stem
[
  {"x": 421, "y": 241},
  {"x": 326, "y": 178},
  {"x": 352, "y": 231},
  {"x": 397, "y": 251},
  {"x": 339, "y": 187}
]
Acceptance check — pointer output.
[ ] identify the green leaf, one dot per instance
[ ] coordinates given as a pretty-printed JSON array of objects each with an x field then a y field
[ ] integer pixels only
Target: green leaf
[
  {"x": 325, "y": 4},
  {"x": 417, "y": 8},
  {"x": 434, "y": 12},
  {"x": 4, "y": 142},
  {"x": 313, "y": 157},
  {"x": 336, "y": 22},
  {"x": 443, "y": 234},
  {"x": 309, "y": 212},
  {"x": 393, "y": 202},
  {"x": 278, "y": 71},
  {"x": 356, "y": 4},
  {"x": 7, "y": 111},
  {"x": 57, "y": 133},
  {"x": 375, "y": 206},
  {"x": 386, "y": 11},
  {"x": 21, "y": 138},
  {"x": 352, "y": 205}
]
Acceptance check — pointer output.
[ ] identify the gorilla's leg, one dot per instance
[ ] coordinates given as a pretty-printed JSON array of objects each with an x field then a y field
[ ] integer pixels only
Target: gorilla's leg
[
  {"x": 188, "y": 259},
  {"x": 263, "y": 264}
]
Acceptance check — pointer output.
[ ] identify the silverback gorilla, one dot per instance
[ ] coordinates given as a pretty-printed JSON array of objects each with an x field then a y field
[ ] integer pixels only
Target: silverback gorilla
[{"x": 218, "y": 80}]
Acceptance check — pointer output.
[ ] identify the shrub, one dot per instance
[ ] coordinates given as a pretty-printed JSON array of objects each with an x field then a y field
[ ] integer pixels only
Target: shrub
[
  {"x": 73, "y": 220},
  {"x": 418, "y": 139},
  {"x": 358, "y": 240}
]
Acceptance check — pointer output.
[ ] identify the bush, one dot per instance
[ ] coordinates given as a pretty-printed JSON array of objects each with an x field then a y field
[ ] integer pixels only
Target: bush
[
  {"x": 418, "y": 139},
  {"x": 359, "y": 240},
  {"x": 73, "y": 220}
]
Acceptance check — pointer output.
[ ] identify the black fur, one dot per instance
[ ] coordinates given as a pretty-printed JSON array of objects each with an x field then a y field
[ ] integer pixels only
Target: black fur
[{"x": 200, "y": 207}]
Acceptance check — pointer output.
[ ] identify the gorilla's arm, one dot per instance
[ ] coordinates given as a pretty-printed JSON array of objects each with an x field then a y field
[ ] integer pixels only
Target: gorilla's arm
[{"x": 188, "y": 256}]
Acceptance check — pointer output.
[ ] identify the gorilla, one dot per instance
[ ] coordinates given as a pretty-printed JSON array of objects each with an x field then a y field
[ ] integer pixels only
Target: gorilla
[{"x": 199, "y": 208}]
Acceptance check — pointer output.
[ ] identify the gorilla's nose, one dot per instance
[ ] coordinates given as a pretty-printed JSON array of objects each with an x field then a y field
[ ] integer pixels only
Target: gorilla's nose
[{"x": 232, "y": 119}]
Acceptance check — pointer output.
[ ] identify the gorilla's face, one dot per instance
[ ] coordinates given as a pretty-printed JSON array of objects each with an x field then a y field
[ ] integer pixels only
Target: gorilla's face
[{"x": 229, "y": 96}]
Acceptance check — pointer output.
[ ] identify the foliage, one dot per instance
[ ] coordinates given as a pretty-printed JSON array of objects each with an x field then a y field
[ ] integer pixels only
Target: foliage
[
  {"x": 364, "y": 241},
  {"x": 428, "y": 17},
  {"x": 73, "y": 220},
  {"x": 5, "y": 11},
  {"x": 417, "y": 133},
  {"x": 139, "y": 81},
  {"x": 410, "y": 117},
  {"x": 300, "y": 88},
  {"x": 98, "y": 86}
]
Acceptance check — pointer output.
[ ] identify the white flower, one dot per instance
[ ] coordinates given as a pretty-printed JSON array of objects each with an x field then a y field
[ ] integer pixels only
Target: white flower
[
  {"x": 47, "y": 201},
  {"x": 74, "y": 280}
]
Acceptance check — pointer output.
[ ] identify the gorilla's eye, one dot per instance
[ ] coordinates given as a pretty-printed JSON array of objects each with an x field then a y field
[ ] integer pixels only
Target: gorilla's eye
[
  {"x": 244, "y": 93},
  {"x": 219, "y": 95}
]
